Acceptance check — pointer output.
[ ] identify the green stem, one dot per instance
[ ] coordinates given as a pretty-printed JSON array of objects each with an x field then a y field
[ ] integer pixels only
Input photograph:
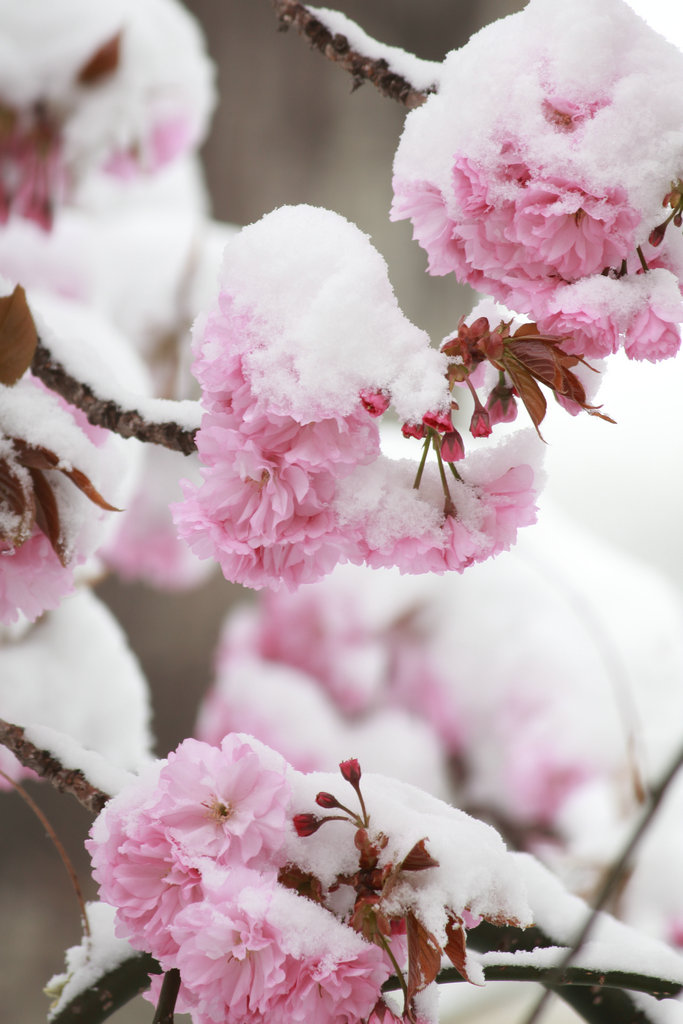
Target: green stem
[
  {"x": 420, "y": 468},
  {"x": 449, "y": 506},
  {"x": 398, "y": 981}
]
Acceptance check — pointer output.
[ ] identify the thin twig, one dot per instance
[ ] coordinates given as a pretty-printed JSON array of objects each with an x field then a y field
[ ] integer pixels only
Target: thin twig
[
  {"x": 66, "y": 780},
  {"x": 608, "y": 887},
  {"x": 336, "y": 47},
  {"x": 103, "y": 412},
  {"x": 56, "y": 842},
  {"x": 584, "y": 977}
]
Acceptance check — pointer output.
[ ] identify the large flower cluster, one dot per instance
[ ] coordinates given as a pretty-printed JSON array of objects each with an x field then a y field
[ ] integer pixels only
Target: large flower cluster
[
  {"x": 294, "y": 376},
  {"x": 218, "y": 866},
  {"x": 534, "y": 191}
]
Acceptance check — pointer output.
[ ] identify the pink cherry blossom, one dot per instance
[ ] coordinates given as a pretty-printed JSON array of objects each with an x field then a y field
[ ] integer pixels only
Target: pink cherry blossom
[
  {"x": 222, "y": 802},
  {"x": 653, "y": 334},
  {"x": 32, "y": 579}
]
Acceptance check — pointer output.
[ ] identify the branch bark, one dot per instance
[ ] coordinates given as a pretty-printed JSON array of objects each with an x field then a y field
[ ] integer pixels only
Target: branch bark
[
  {"x": 336, "y": 47},
  {"x": 105, "y": 412},
  {"x": 66, "y": 780}
]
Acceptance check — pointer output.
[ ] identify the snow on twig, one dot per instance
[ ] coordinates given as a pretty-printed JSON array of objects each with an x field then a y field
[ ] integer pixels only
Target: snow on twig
[
  {"x": 66, "y": 780},
  {"x": 397, "y": 74},
  {"x": 172, "y": 424}
]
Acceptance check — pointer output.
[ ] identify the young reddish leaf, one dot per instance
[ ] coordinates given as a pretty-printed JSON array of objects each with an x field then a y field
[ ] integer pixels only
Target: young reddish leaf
[
  {"x": 424, "y": 957},
  {"x": 419, "y": 858},
  {"x": 455, "y": 948},
  {"x": 18, "y": 336},
  {"x": 527, "y": 389},
  {"x": 83, "y": 483},
  {"x": 15, "y": 495},
  {"x": 541, "y": 361},
  {"x": 47, "y": 514},
  {"x": 306, "y": 884},
  {"x": 102, "y": 63}
]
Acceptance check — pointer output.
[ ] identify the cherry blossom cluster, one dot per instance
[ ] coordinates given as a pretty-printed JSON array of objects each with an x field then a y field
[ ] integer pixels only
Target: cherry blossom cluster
[
  {"x": 297, "y": 360},
  {"x": 542, "y": 189},
  {"x": 220, "y": 864},
  {"x": 128, "y": 92}
]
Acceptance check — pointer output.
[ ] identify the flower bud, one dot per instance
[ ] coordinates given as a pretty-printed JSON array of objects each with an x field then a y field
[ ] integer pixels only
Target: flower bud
[
  {"x": 351, "y": 771},
  {"x": 327, "y": 800},
  {"x": 307, "y": 824},
  {"x": 375, "y": 402}
]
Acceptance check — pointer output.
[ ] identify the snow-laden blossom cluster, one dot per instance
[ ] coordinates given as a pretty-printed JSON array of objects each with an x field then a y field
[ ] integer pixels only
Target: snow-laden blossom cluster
[
  {"x": 545, "y": 188},
  {"x": 304, "y": 350},
  {"x": 219, "y": 863},
  {"x": 399, "y": 670},
  {"x": 128, "y": 90}
]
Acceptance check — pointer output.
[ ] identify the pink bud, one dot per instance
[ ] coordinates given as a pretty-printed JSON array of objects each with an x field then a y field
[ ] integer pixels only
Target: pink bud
[
  {"x": 307, "y": 824},
  {"x": 452, "y": 447},
  {"x": 480, "y": 424},
  {"x": 657, "y": 234},
  {"x": 327, "y": 800},
  {"x": 440, "y": 421},
  {"x": 351, "y": 771},
  {"x": 375, "y": 402},
  {"x": 417, "y": 430}
]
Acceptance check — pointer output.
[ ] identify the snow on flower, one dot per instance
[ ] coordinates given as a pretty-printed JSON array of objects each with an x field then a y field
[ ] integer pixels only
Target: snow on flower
[
  {"x": 129, "y": 91},
  {"x": 305, "y": 348},
  {"x": 534, "y": 184},
  {"x": 299, "y": 928}
]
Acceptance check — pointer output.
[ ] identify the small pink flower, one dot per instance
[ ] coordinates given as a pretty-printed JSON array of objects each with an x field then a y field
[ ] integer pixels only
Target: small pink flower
[
  {"x": 652, "y": 335},
  {"x": 221, "y": 802},
  {"x": 425, "y": 206},
  {"x": 574, "y": 233},
  {"x": 32, "y": 579}
]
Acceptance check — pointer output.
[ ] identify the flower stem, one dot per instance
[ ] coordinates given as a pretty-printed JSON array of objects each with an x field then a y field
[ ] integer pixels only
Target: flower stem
[
  {"x": 449, "y": 506},
  {"x": 420, "y": 468},
  {"x": 399, "y": 973},
  {"x": 643, "y": 261}
]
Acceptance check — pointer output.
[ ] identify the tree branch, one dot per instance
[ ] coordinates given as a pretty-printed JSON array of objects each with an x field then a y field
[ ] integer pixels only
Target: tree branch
[
  {"x": 361, "y": 66},
  {"x": 110, "y": 992},
  {"x": 103, "y": 412},
  {"x": 66, "y": 780}
]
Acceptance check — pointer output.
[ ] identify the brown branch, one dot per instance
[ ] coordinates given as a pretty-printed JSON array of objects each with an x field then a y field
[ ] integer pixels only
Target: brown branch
[
  {"x": 42, "y": 762},
  {"x": 338, "y": 49},
  {"x": 109, "y": 992},
  {"x": 105, "y": 412}
]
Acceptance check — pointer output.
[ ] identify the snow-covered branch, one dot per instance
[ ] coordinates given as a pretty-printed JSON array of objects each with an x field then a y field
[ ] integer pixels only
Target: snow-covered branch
[
  {"x": 153, "y": 424},
  {"x": 109, "y": 992},
  {"x": 66, "y": 780},
  {"x": 399, "y": 75}
]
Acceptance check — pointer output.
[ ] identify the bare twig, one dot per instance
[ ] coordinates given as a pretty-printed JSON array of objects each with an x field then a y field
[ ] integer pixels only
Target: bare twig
[
  {"x": 609, "y": 885},
  {"x": 66, "y": 780},
  {"x": 105, "y": 412},
  {"x": 336, "y": 47},
  {"x": 58, "y": 845}
]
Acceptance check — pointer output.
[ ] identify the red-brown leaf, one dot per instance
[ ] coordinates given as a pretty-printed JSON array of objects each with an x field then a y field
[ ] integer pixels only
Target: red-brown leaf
[
  {"x": 102, "y": 63},
  {"x": 18, "y": 498},
  {"x": 455, "y": 948},
  {"x": 419, "y": 858},
  {"x": 541, "y": 360},
  {"x": 528, "y": 390},
  {"x": 83, "y": 483},
  {"x": 18, "y": 336},
  {"x": 47, "y": 514},
  {"x": 424, "y": 956}
]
